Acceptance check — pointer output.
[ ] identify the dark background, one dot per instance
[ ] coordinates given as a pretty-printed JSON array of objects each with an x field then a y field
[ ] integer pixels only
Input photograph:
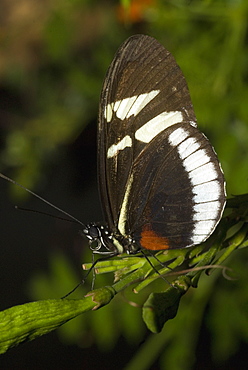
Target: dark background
[{"x": 53, "y": 60}]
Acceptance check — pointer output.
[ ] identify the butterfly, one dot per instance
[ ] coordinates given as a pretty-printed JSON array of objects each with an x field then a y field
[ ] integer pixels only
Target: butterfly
[{"x": 160, "y": 181}]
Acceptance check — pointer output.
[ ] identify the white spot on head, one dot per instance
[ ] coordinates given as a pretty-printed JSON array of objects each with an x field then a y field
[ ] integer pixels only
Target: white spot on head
[
  {"x": 115, "y": 148},
  {"x": 157, "y": 124}
]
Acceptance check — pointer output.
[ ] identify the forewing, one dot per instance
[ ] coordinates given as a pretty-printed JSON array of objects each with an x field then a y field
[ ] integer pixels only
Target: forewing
[{"x": 144, "y": 93}]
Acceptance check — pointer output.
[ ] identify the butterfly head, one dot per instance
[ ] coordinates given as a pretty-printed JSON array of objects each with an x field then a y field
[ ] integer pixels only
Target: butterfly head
[
  {"x": 99, "y": 237},
  {"x": 102, "y": 241}
]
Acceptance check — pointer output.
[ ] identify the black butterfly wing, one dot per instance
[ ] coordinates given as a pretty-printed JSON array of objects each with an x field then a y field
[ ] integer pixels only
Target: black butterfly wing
[
  {"x": 177, "y": 199},
  {"x": 144, "y": 93}
]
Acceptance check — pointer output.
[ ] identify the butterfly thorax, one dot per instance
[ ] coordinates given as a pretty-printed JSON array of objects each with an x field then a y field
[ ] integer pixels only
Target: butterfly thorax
[{"x": 102, "y": 241}]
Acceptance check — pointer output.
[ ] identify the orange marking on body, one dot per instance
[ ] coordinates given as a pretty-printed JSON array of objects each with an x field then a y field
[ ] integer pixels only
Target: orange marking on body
[{"x": 151, "y": 241}]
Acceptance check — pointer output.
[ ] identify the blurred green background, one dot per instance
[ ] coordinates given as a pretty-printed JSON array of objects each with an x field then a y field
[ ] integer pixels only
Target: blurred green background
[{"x": 53, "y": 59}]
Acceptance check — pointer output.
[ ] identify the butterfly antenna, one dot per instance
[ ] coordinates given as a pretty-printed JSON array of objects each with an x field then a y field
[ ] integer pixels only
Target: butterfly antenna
[{"x": 42, "y": 199}]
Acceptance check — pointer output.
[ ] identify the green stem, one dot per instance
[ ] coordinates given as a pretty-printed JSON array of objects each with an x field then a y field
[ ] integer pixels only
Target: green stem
[{"x": 30, "y": 320}]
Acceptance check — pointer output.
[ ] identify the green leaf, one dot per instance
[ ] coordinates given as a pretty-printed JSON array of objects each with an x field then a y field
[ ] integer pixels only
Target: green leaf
[{"x": 161, "y": 307}]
